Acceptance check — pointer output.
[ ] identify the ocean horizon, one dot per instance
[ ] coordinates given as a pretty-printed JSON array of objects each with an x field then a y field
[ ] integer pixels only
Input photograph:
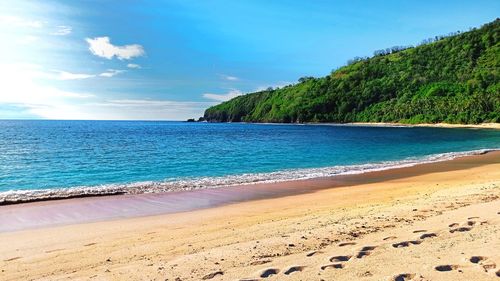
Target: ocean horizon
[{"x": 65, "y": 158}]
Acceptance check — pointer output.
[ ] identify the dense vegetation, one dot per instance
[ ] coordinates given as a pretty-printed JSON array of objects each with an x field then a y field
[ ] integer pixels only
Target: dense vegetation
[{"x": 453, "y": 79}]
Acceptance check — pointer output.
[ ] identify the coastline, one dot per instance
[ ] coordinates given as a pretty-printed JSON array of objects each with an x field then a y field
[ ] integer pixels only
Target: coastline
[
  {"x": 495, "y": 126},
  {"x": 104, "y": 207},
  {"x": 151, "y": 187},
  {"x": 432, "y": 125},
  {"x": 452, "y": 204}
]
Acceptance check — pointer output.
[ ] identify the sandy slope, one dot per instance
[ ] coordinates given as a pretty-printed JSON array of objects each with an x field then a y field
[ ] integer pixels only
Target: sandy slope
[{"x": 395, "y": 230}]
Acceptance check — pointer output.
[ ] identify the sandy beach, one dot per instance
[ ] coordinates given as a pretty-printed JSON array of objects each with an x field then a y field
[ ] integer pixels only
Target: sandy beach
[
  {"x": 437, "y": 221},
  {"x": 434, "y": 125}
]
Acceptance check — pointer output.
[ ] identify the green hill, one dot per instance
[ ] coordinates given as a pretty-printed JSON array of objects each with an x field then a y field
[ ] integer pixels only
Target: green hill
[{"x": 453, "y": 79}]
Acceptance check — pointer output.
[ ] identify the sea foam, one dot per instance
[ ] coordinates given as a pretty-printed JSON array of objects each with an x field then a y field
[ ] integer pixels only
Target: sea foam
[{"x": 18, "y": 196}]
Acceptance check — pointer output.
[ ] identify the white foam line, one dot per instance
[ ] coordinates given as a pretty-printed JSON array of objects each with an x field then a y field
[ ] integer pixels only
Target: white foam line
[{"x": 16, "y": 196}]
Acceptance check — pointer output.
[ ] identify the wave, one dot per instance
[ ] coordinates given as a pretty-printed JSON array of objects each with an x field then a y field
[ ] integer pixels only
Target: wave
[{"x": 21, "y": 196}]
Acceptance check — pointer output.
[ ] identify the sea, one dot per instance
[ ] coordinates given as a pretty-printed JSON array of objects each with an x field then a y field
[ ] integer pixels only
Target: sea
[{"x": 43, "y": 159}]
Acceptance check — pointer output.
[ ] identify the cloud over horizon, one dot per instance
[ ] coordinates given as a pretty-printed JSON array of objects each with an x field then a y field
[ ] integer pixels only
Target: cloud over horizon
[
  {"x": 64, "y": 75},
  {"x": 224, "y": 97},
  {"x": 133, "y": 65},
  {"x": 62, "y": 30},
  {"x": 229, "y": 77},
  {"x": 102, "y": 47},
  {"x": 21, "y": 92},
  {"x": 111, "y": 73}
]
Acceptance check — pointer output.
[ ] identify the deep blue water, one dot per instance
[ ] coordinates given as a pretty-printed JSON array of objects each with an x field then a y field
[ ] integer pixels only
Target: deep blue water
[{"x": 59, "y": 154}]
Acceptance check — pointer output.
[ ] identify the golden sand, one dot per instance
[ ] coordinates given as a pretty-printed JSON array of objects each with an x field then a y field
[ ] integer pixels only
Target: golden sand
[
  {"x": 436, "y": 125},
  {"x": 441, "y": 225}
]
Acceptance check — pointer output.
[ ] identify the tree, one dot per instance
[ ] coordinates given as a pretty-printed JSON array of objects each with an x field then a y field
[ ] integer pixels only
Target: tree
[{"x": 450, "y": 78}]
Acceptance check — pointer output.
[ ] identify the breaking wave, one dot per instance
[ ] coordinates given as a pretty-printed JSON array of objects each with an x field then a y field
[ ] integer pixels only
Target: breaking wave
[{"x": 20, "y": 196}]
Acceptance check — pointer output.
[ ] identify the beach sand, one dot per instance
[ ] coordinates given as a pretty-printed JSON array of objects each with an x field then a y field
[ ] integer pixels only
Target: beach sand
[
  {"x": 434, "y": 125},
  {"x": 429, "y": 222}
]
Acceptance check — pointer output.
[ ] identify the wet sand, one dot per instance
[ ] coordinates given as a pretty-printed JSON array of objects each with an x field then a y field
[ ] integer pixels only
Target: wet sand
[
  {"x": 437, "y": 221},
  {"x": 101, "y": 208}
]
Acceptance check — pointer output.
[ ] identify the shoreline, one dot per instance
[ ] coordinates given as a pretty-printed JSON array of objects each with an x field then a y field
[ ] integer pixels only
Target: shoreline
[
  {"x": 49, "y": 213},
  {"x": 56, "y": 194},
  {"x": 430, "y": 125},
  {"x": 495, "y": 126},
  {"x": 415, "y": 221}
]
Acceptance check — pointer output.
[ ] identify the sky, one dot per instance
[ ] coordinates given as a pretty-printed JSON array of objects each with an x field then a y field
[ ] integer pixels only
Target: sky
[{"x": 170, "y": 60}]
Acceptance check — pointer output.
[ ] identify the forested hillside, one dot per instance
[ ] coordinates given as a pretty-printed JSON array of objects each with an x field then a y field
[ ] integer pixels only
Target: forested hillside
[{"x": 453, "y": 79}]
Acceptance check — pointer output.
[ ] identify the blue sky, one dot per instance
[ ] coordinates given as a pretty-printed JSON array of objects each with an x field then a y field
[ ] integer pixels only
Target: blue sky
[{"x": 169, "y": 60}]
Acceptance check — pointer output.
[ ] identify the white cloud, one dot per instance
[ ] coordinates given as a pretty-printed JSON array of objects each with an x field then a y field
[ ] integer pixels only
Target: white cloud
[
  {"x": 63, "y": 75},
  {"x": 102, "y": 47},
  {"x": 225, "y": 97},
  {"x": 21, "y": 22},
  {"x": 148, "y": 109},
  {"x": 19, "y": 88},
  {"x": 229, "y": 77},
  {"x": 133, "y": 65},
  {"x": 234, "y": 92},
  {"x": 111, "y": 73},
  {"x": 151, "y": 102},
  {"x": 62, "y": 30}
]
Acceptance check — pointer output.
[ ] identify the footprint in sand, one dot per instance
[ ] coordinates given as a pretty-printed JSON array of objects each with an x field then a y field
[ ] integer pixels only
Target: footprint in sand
[
  {"x": 212, "y": 275},
  {"x": 389, "y": 238},
  {"x": 333, "y": 265},
  {"x": 461, "y": 229},
  {"x": 340, "y": 258},
  {"x": 420, "y": 230},
  {"x": 486, "y": 264},
  {"x": 336, "y": 265},
  {"x": 347, "y": 244},
  {"x": 404, "y": 277},
  {"x": 310, "y": 254},
  {"x": 428, "y": 235},
  {"x": 446, "y": 267},
  {"x": 476, "y": 259},
  {"x": 453, "y": 224},
  {"x": 406, "y": 243},
  {"x": 498, "y": 273},
  {"x": 269, "y": 272},
  {"x": 292, "y": 269},
  {"x": 365, "y": 251}
]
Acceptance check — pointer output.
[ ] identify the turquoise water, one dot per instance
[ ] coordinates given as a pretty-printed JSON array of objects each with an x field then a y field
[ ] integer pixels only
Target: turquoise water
[{"x": 134, "y": 157}]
